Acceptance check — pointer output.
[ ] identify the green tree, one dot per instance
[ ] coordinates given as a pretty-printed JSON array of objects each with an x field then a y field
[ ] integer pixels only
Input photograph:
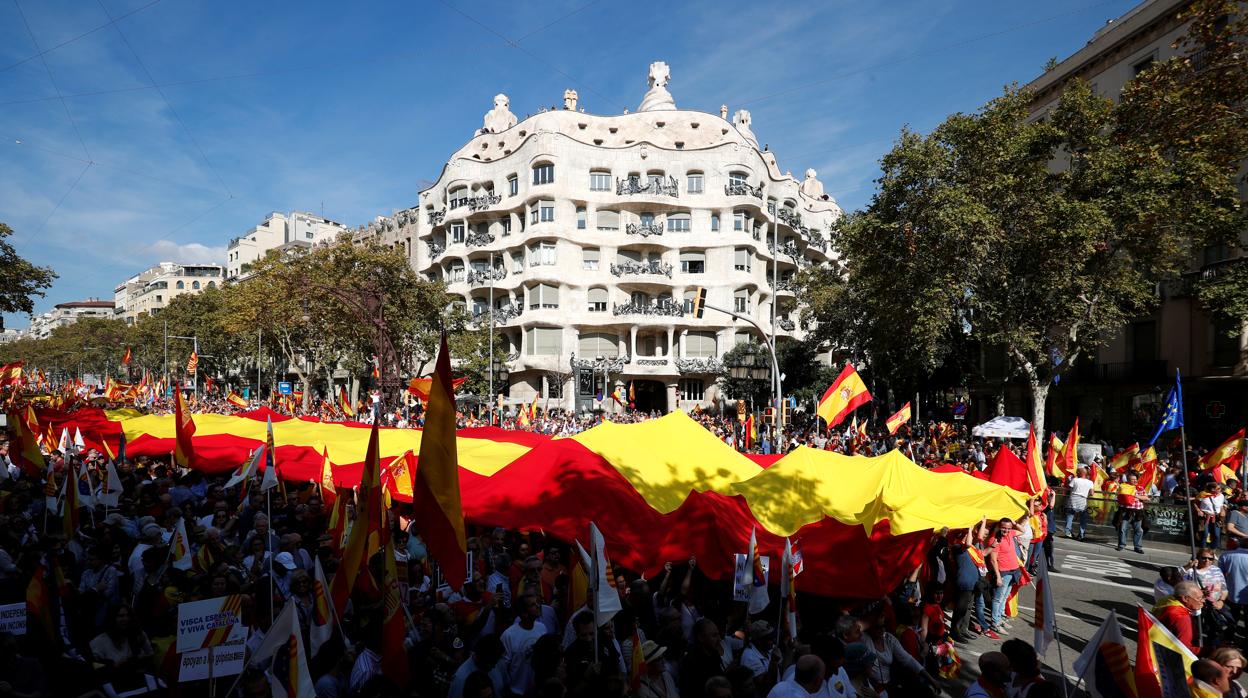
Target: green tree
[
  {"x": 1033, "y": 235},
  {"x": 20, "y": 281}
]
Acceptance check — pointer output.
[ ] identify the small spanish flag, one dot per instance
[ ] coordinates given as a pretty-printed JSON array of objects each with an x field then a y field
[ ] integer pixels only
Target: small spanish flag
[
  {"x": 11, "y": 374},
  {"x": 901, "y": 417},
  {"x": 183, "y": 429},
  {"x": 845, "y": 395},
  {"x": 344, "y": 403},
  {"x": 236, "y": 400}
]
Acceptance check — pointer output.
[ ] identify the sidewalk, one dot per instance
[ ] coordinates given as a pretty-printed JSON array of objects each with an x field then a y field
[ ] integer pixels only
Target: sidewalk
[{"x": 1158, "y": 552}]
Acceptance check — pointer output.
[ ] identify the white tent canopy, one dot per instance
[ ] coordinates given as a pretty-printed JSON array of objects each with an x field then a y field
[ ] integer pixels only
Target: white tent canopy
[{"x": 1003, "y": 428}]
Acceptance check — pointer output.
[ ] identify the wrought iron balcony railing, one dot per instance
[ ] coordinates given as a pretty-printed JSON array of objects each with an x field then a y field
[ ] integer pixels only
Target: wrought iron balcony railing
[
  {"x": 644, "y": 229},
  {"x": 478, "y": 239},
  {"x": 436, "y": 217},
  {"x": 483, "y": 201},
  {"x": 743, "y": 189},
  {"x": 786, "y": 324},
  {"x": 792, "y": 218},
  {"x": 504, "y": 313},
  {"x": 435, "y": 250},
  {"x": 709, "y": 365},
  {"x": 662, "y": 309},
  {"x": 477, "y": 277},
  {"x": 653, "y": 187},
  {"x": 636, "y": 268}
]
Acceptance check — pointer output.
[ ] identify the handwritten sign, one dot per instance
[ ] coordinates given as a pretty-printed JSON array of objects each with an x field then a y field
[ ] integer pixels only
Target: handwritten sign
[
  {"x": 226, "y": 660},
  {"x": 743, "y": 576},
  {"x": 13, "y": 618},
  {"x": 212, "y": 622}
]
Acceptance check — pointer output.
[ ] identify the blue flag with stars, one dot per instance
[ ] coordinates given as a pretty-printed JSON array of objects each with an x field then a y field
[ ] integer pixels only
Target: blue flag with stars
[{"x": 1172, "y": 414}]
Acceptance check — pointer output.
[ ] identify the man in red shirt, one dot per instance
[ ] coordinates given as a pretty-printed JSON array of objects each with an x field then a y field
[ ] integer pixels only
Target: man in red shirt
[
  {"x": 1175, "y": 612},
  {"x": 1003, "y": 560}
]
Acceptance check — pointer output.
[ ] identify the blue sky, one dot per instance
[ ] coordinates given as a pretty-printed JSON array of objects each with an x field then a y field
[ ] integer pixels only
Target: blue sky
[{"x": 351, "y": 108}]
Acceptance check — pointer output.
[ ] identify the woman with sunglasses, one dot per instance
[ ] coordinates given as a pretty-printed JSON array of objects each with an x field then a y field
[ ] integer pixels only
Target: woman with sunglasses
[
  {"x": 1204, "y": 571},
  {"x": 1233, "y": 660}
]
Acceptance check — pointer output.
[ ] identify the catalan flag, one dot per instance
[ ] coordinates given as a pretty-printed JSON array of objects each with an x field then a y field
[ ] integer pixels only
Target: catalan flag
[
  {"x": 901, "y": 417},
  {"x": 439, "y": 517},
  {"x": 846, "y": 394},
  {"x": 184, "y": 430},
  {"x": 192, "y": 364}
]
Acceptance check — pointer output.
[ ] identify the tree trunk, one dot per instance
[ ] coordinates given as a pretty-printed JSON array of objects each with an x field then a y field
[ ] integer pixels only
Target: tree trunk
[{"x": 1039, "y": 395}]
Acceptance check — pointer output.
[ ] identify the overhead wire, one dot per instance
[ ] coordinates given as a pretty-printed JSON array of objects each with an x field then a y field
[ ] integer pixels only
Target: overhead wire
[
  {"x": 559, "y": 19},
  {"x": 165, "y": 97},
  {"x": 71, "y": 40},
  {"x": 72, "y": 186},
  {"x": 51, "y": 79},
  {"x": 22, "y": 142}
]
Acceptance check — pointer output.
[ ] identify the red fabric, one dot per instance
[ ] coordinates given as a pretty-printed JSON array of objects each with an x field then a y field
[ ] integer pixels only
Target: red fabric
[
  {"x": 764, "y": 460},
  {"x": 1178, "y": 620},
  {"x": 1009, "y": 470},
  {"x": 935, "y": 623}
]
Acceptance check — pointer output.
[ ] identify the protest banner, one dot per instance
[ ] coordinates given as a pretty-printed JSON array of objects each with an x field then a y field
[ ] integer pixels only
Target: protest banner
[
  {"x": 743, "y": 577},
  {"x": 211, "y": 622},
  {"x": 13, "y": 618},
  {"x": 226, "y": 660}
]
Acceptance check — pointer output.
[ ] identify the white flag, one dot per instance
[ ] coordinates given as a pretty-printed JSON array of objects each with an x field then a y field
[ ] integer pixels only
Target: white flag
[
  {"x": 180, "y": 546},
  {"x": 79, "y": 444},
  {"x": 85, "y": 498},
  {"x": 1044, "y": 622},
  {"x": 66, "y": 444},
  {"x": 270, "y": 464},
  {"x": 1104, "y": 661},
  {"x": 318, "y": 632},
  {"x": 607, "y": 597},
  {"x": 110, "y": 489},
  {"x": 758, "y": 578},
  {"x": 248, "y": 469},
  {"x": 788, "y": 589},
  {"x": 285, "y": 630}
]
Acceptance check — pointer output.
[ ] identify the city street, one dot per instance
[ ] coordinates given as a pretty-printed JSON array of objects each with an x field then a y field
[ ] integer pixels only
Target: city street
[{"x": 1093, "y": 579}]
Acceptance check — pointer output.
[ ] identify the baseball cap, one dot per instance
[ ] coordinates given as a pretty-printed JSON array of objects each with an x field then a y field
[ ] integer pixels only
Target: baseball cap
[{"x": 285, "y": 560}]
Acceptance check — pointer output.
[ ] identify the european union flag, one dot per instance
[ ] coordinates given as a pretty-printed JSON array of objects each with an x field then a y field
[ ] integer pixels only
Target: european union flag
[{"x": 1172, "y": 416}]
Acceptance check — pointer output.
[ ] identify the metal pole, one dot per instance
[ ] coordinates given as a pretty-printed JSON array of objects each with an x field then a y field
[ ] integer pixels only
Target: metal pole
[
  {"x": 775, "y": 366},
  {"x": 195, "y": 376},
  {"x": 165, "y": 369},
  {"x": 258, "y": 350},
  {"x": 491, "y": 393}
]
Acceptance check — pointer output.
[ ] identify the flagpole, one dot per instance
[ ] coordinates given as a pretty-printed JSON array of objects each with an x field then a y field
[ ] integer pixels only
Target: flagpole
[
  {"x": 268, "y": 506},
  {"x": 593, "y": 587}
]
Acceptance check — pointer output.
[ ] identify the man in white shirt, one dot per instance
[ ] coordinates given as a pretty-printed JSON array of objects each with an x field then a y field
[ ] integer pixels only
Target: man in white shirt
[
  {"x": 807, "y": 680},
  {"x": 759, "y": 656},
  {"x": 1077, "y": 501},
  {"x": 1211, "y": 505},
  {"x": 518, "y": 641}
]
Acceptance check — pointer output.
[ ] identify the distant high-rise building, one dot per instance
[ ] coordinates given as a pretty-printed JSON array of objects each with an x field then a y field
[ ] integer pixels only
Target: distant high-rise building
[
  {"x": 149, "y": 291},
  {"x": 63, "y": 314}
]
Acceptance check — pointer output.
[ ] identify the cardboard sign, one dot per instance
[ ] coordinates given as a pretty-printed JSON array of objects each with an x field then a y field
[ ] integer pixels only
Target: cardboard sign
[
  {"x": 743, "y": 577},
  {"x": 13, "y": 618},
  {"x": 226, "y": 660},
  {"x": 211, "y": 622}
]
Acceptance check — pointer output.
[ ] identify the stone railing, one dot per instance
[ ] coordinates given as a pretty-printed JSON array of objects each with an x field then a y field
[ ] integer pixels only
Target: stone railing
[
  {"x": 436, "y": 217},
  {"x": 477, "y": 277},
  {"x": 483, "y": 201},
  {"x": 650, "y": 362},
  {"x": 663, "y": 309},
  {"x": 634, "y": 268},
  {"x": 743, "y": 189},
  {"x": 711, "y": 365},
  {"x": 644, "y": 229},
  {"x": 478, "y": 239},
  {"x": 435, "y": 250},
  {"x": 786, "y": 324},
  {"x": 654, "y": 187}
]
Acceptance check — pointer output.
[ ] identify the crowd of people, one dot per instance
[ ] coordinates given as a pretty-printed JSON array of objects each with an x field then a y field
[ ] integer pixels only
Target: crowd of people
[{"x": 102, "y": 597}]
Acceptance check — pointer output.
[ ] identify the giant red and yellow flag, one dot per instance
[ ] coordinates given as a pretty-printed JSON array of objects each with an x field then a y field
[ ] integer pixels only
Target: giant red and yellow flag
[
  {"x": 184, "y": 426},
  {"x": 901, "y": 417},
  {"x": 1069, "y": 460},
  {"x": 845, "y": 394},
  {"x": 439, "y": 517},
  {"x": 365, "y": 537},
  {"x": 11, "y": 374},
  {"x": 1229, "y": 452}
]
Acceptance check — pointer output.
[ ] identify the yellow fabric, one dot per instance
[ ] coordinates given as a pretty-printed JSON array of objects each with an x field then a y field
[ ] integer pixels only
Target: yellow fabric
[
  {"x": 667, "y": 458},
  {"x": 808, "y": 484},
  {"x": 344, "y": 444},
  {"x": 838, "y": 397}
]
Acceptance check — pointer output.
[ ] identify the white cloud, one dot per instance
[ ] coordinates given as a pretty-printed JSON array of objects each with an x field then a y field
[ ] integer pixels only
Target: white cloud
[{"x": 188, "y": 253}]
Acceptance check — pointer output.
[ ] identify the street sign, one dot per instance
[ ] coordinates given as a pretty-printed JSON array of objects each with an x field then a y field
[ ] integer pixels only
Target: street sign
[{"x": 285, "y": 388}]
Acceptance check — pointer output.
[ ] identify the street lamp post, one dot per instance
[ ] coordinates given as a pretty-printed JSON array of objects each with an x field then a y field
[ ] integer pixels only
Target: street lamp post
[
  {"x": 194, "y": 348},
  {"x": 777, "y": 378}
]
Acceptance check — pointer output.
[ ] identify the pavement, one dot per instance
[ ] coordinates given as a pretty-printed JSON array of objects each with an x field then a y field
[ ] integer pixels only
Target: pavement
[{"x": 1092, "y": 580}]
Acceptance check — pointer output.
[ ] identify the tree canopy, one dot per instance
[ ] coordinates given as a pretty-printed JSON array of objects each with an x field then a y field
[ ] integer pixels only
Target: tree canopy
[{"x": 20, "y": 281}]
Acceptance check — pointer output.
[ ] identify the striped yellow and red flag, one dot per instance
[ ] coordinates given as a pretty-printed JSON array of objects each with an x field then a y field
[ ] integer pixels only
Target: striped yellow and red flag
[
  {"x": 184, "y": 430},
  {"x": 1147, "y": 467},
  {"x": 420, "y": 386},
  {"x": 1122, "y": 460},
  {"x": 125, "y": 358},
  {"x": 636, "y": 664},
  {"x": 39, "y": 604},
  {"x": 1069, "y": 459},
  {"x": 394, "y": 663},
  {"x": 1051, "y": 464},
  {"x": 1035, "y": 469},
  {"x": 338, "y": 521},
  {"x": 192, "y": 364},
  {"x": 11, "y": 374},
  {"x": 344, "y": 403},
  {"x": 845, "y": 395},
  {"x": 901, "y": 417},
  {"x": 236, "y": 400},
  {"x": 1229, "y": 452},
  {"x": 24, "y": 451},
  {"x": 439, "y": 518},
  {"x": 376, "y": 367},
  {"x": 327, "y": 475},
  {"x": 365, "y": 538},
  {"x": 70, "y": 503}
]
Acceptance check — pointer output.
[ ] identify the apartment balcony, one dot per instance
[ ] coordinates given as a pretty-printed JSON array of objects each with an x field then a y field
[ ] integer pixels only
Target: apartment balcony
[
  {"x": 475, "y": 239},
  {"x": 662, "y": 309},
  {"x": 701, "y": 366},
  {"x": 743, "y": 189},
  {"x": 652, "y": 187},
  {"x": 645, "y": 230},
  {"x": 435, "y": 250},
  {"x": 790, "y": 218},
  {"x": 653, "y": 267},
  {"x": 504, "y": 313},
  {"x": 481, "y": 277},
  {"x": 483, "y": 201},
  {"x": 436, "y": 217}
]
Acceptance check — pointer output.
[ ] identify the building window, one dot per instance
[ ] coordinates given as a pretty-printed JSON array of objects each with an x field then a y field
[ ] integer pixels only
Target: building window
[
  {"x": 737, "y": 177},
  {"x": 647, "y": 219},
  {"x": 655, "y": 179},
  {"x": 694, "y": 183},
  {"x": 513, "y": 185},
  {"x": 692, "y": 389},
  {"x": 517, "y": 262},
  {"x": 554, "y": 387},
  {"x": 543, "y": 341},
  {"x": 456, "y": 273},
  {"x": 741, "y": 300},
  {"x": 180, "y": 285},
  {"x": 308, "y": 235},
  {"x": 741, "y": 259},
  {"x": 544, "y": 296},
  {"x": 589, "y": 261},
  {"x": 544, "y": 173},
  {"x": 597, "y": 300},
  {"x": 637, "y": 298},
  {"x": 547, "y": 209},
  {"x": 595, "y": 344},
  {"x": 1226, "y": 343},
  {"x": 1142, "y": 65},
  {"x": 692, "y": 262},
  {"x": 700, "y": 345},
  {"x": 194, "y": 285},
  {"x": 542, "y": 254},
  {"x": 600, "y": 181},
  {"x": 608, "y": 220},
  {"x": 581, "y": 218},
  {"x": 678, "y": 223},
  {"x": 457, "y": 232},
  {"x": 714, "y": 222},
  {"x": 159, "y": 299},
  {"x": 742, "y": 337},
  {"x": 533, "y": 214},
  {"x": 738, "y": 220},
  {"x": 506, "y": 225}
]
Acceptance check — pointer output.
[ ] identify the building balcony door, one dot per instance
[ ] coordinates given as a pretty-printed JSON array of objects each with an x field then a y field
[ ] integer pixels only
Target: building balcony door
[{"x": 650, "y": 396}]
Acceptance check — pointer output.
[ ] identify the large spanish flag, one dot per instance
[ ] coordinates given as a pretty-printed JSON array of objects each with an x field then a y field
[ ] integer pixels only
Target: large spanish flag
[
  {"x": 1229, "y": 452},
  {"x": 846, "y": 394},
  {"x": 184, "y": 429},
  {"x": 439, "y": 517}
]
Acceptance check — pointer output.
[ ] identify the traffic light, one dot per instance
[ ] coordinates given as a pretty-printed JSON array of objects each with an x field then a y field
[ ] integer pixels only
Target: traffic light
[
  {"x": 699, "y": 302},
  {"x": 769, "y": 415},
  {"x": 787, "y": 413}
]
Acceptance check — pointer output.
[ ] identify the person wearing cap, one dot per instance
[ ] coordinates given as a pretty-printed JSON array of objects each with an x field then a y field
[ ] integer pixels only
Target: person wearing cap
[
  {"x": 657, "y": 682},
  {"x": 761, "y": 656},
  {"x": 283, "y": 565}
]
